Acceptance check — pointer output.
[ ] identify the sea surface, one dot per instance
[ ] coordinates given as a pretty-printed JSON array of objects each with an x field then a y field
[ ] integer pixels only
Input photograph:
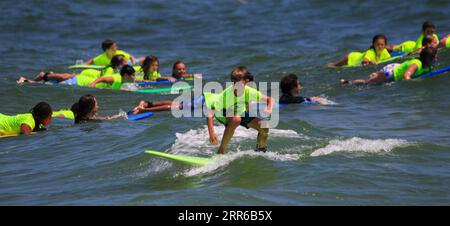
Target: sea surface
[{"x": 377, "y": 145}]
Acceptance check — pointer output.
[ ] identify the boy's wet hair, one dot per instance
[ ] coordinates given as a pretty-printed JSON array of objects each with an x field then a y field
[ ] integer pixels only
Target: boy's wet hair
[
  {"x": 41, "y": 111},
  {"x": 428, "y": 24},
  {"x": 127, "y": 69},
  {"x": 83, "y": 108},
  {"x": 427, "y": 39},
  {"x": 241, "y": 73},
  {"x": 288, "y": 83},
  {"x": 107, "y": 44},
  {"x": 428, "y": 56},
  {"x": 146, "y": 65}
]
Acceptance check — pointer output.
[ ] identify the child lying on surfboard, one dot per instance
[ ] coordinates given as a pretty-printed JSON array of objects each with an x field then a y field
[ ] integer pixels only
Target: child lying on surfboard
[
  {"x": 395, "y": 72},
  {"x": 41, "y": 115},
  {"x": 377, "y": 52},
  {"x": 428, "y": 28},
  {"x": 109, "y": 51}
]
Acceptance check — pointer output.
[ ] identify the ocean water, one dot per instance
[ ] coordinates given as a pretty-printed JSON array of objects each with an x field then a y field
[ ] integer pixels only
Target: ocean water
[{"x": 378, "y": 145}]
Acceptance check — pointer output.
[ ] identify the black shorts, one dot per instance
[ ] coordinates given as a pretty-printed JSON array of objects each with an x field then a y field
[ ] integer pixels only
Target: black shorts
[{"x": 245, "y": 120}]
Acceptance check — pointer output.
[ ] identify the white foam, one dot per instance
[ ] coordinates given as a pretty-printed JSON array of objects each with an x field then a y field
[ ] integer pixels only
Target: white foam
[
  {"x": 197, "y": 140},
  {"x": 356, "y": 144},
  {"x": 223, "y": 160},
  {"x": 326, "y": 101}
]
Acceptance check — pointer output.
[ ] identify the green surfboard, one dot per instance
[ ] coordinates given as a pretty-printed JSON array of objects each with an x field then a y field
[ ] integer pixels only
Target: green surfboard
[
  {"x": 190, "y": 160},
  {"x": 163, "y": 90},
  {"x": 84, "y": 66}
]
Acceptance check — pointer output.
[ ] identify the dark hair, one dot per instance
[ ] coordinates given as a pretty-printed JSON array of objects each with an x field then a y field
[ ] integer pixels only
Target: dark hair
[
  {"x": 174, "y": 66},
  {"x": 41, "y": 111},
  {"x": 146, "y": 65},
  {"x": 428, "y": 56},
  {"x": 427, "y": 24},
  {"x": 127, "y": 69},
  {"x": 116, "y": 63},
  {"x": 288, "y": 83},
  {"x": 427, "y": 39},
  {"x": 241, "y": 73},
  {"x": 107, "y": 44},
  {"x": 375, "y": 38},
  {"x": 83, "y": 108}
]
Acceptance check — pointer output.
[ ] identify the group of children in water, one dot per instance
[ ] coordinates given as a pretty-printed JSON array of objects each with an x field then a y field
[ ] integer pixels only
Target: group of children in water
[{"x": 119, "y": 69}]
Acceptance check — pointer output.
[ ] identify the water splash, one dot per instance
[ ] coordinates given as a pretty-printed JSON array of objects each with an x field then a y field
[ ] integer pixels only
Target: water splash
[{"x": 356, "y": 144}]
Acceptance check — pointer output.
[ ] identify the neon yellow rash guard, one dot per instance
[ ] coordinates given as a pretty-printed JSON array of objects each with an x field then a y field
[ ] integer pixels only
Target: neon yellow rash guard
[
  {"x": 152, "y": 76},
  {"x": 10, "y": 125},
  {"x": 372, "y": 56},
  {"x": 227, "y": 100},
  {"x": 420, "y": 39},
  {"x": 64, "y": 114},
  {"x": 447, "y": 42},
  {"x": 83, "y": 80},
  {"x": 400, "y": 70},
  {"x": 355, "y": 58},
  {"x": 103, "y": 59}
]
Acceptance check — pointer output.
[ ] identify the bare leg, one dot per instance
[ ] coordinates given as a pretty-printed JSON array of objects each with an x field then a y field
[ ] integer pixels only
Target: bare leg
[
  {"x": 263, "y": 133},
  {"x": 342, "y": 62},
  {"x": 232, "y": 124}
]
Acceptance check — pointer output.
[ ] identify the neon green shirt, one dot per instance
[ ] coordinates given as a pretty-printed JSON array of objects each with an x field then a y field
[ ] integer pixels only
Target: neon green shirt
[
  {"x": 447, "y": 42},
  {"x": 64, "y": 114},
  {"x": 10, "y": 125},
  {"x": 400, "y": 70},
  {"x": 152, "y": 76},
  {"x": 355, "y": 58},
  {"x": 420, "y": 39},
  {"x": 372, "y": 56},
  {"x": 93, "y": 73},
  {"x": 83, "y": 80},
  {"x": 239, "y": 104},
  {"x": 103, "y": 60}
]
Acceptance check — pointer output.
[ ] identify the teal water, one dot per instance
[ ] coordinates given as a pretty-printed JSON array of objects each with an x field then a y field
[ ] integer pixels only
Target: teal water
[{"x": 379, "y": 145}]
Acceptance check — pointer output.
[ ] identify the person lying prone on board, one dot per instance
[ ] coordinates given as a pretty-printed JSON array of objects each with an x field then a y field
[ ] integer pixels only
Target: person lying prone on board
[{"x": 395, "y": 72}]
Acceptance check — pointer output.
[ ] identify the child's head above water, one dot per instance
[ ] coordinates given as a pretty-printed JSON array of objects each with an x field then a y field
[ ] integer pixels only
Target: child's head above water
[
  {"x": 150, "y": 65},
  {"x": 118, "y": 61},
  {"x": 42, "y": 113},
  {"x": 428, "y": 28},
  {"x": 428, "y": 41},
  {"x": 379, "y": 43},
  {"x": 127, "y": 73},
  {"x": 290, "y": 85},
  {"x": 241, "y": 73},
  {"x": 109, "y": 45},
  {"x": 85, "y": 108},
  {"x": 428, "y": 56}
]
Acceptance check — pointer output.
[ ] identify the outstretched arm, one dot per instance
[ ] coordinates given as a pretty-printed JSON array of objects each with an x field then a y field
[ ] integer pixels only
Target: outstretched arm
[
  {"x": 109, "y": 80},
  {"x": 410, "y": 71},
  {"x": 213, "y": 138},
  {"x": 25, "y": 129}
]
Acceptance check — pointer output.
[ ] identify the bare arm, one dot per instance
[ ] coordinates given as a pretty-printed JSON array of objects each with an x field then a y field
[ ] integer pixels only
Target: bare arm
[
  {"x": 89, "y": 62},
  {"x": 410, "y": 71},
  {"x": 213, "y": 138},
  {"x": 25, "y": 129},
  {"x": 109, "y": 80}
]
